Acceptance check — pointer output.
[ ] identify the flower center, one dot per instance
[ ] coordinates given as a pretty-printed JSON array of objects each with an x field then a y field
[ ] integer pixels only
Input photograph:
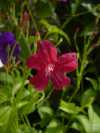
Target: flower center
[{"x": 49, "y": 69}]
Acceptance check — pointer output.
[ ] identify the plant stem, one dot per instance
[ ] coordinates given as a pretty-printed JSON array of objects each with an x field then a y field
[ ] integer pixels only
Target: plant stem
[
  {"x": 71, "y": 17},
  {"x": 80, "y": 72}
]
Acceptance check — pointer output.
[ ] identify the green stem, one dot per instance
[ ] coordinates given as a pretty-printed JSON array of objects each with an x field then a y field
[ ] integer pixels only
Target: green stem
[
  {"x": 34, "y": 22},
  {"x": 71, "y": 17},
  {"x": 80, "y": 72},
  {"x": 66, "y": 22},
  {"x": 27, "y": 121}
]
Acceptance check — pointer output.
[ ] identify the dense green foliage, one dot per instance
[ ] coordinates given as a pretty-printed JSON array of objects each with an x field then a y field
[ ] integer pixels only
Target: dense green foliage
[{"x": 72, "y": 26}]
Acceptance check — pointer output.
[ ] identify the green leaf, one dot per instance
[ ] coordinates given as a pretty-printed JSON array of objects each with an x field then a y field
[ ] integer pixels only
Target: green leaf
[
  {"x": 67, "y": 107},
  {"x": 26, "y": 129},
  {"x": 85, "y": 123},
  {"x": 27, "y": 104},
  {"x": 88, "y": 98},
  {"x": 73, "y": 8},
  {"x": 77, "y": 126},
  {"x": 93, "y": 82},
  {"x": 95, "y": 10},
  {"x": 6, "y": 78},
  {"x": 25, "y": 47},
  {"x": 54, "y": 127},
  {"x": 90, "y": 124},
  {"x": 31, "y": 39},
  {"x": 3, "y": 97},
  {"x": 4, "y": 114},
  {"x": 44, "y": 9},
  {"x": 9, "y": 119},
  {"x": 94, "y": 119},
  {"x": 53, "y": 29},
  {"x": 45, "y": 110}
]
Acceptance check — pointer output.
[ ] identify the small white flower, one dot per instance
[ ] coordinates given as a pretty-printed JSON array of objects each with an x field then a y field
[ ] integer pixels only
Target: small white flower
[{"x": 1, "y": 64}]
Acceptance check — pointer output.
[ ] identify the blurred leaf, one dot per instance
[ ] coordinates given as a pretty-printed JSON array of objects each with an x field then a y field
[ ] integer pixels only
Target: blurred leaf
[
  {"x": 10, "y": 119},
  {"x": 17, "y": 87},
  {"x": 74, "y": 8},
  {"x": 70, "y": 108},
  {"x": 44, "y": 9},
  {"x": 6, "y": 78},
  {"x": 76, "y": 125},
  {"x": 2, "y": 25},
  {"x": 31, "y": 39},
  {"x": 54, "y": 127},
  {"x": 90, "y": 124},
  {"x": 45, "y": 110},
  {"x": 95, "y": 10},
  {"x": 4, "y": 114},
  {"x": 88, "y": 29},
  {"x": 26, "y": 129},
  {"x": 53, "y": 29},
  {"x": 22, "y": 94},
  {"x": 88, "y": 97},
  {"x": 93, "y": 82},
  {"x": 27, "y": 105},
  {"x": 85, "y": 123},
  {"x": 4, "y": 6},
  {"x": 94, "y": 119},
  {"x": 25, "y": 47},
  {"x": 3, "y": 97}
]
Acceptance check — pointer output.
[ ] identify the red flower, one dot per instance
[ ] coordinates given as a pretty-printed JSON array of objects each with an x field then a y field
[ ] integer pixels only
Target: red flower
[{"x": 51, "y": 67}]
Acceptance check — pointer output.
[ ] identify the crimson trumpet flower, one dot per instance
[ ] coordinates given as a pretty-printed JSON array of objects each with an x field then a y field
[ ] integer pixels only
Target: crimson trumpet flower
[{"x": 50, "y": 66}]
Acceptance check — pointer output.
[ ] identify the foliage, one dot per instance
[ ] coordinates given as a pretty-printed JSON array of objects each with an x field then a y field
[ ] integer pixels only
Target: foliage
[{"x": 73, "y": 25}]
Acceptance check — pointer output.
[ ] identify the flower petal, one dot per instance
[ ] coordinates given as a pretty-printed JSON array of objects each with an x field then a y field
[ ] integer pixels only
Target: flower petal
[
  {"x": 59, "y": 80},
  {"x": 8, "y": 46},
  {"x": 35, "y": 62},
  {"x": 8, "y": 38},
  {"x": 39, "y": 81},
  {"x": 48, "y": 51},
  {"x": 67, "y": 62}
]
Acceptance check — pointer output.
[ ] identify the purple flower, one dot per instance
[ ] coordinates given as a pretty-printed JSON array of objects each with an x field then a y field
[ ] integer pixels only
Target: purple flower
[{"x": 8, "y": 47}]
